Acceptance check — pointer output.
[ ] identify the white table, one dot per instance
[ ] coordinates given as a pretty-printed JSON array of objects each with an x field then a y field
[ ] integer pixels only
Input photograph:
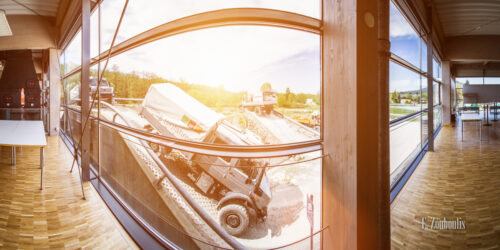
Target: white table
[
  {"x": 471, "y": 118},
  {"x": 24, "y": 134}
]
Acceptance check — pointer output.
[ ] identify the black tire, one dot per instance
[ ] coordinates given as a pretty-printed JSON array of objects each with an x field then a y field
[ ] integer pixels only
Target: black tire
[
  {"x": 268, "y": 110},
  {"x": 234, "y": 219}
]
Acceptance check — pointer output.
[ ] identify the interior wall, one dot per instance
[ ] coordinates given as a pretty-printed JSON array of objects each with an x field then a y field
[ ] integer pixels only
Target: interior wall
[{"x": 29, "y": 32}]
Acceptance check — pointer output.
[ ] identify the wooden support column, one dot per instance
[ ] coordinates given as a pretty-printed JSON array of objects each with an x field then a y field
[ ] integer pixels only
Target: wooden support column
[
  {"x": 430, "y": 86},
  {"x": 356, "y": 124},
  {"x": 447, "y": 93},
  {"x": 85, "y": 89},
  {"x": 54, "y": 92}
]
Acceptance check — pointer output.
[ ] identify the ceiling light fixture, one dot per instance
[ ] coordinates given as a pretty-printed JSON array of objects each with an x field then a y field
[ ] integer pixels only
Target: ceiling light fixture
[{"x": 4, "y": 25}]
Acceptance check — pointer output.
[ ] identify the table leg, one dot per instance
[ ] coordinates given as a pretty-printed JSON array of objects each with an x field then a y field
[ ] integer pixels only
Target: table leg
[
  {"x": 42, "y": 161},
  {"x": 487, "y": 116},
  {"x": 495, "y": 113},
  {"x": 462, "y": 130},
  {"x": 480, "y": 132},
  {"x": 13, "y": 158}
]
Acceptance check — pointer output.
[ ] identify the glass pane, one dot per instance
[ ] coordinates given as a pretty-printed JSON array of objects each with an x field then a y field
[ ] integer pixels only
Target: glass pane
[
  {"x": 281, "y": 195},
  {"x": 492, "y": 80},
  {"x": 246, "y": 77},
  {"x": 469, "y": 80},
  {"x": 424, "y": 55},
  {"x": 73, "y": 93},
  {"x": 147, "y": 199},
  {"x": 405, "y": 42},
  {"x": 436, "y": 69},
  {"x": 404, "y": 91},
  {"x": 436, "y": 93},
  {"x": 94, "y": 128},
  {"x": 94, "y": 33},
  {"x": 438, "y": 117},
  {"x": 111, "y": 11},
  {"x": 156, "y": 12},
  {"x": 239, "y": 85},
  {"x": 405, "y": 144},
  {"x": 73, "y": 117},
  {"x": 73, "y": 53},
  {"x": 424, "y": 129}
]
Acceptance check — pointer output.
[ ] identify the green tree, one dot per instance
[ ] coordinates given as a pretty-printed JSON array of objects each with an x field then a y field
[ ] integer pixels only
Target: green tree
[
  {"x": 266, "y": 87},
  {"x": 395, "y": 97}
]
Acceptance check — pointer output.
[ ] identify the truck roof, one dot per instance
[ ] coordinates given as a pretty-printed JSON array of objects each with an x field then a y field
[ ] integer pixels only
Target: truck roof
[{"x": 175, "y": 103}]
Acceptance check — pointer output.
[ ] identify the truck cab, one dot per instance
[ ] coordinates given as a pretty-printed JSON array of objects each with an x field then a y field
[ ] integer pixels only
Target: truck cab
[{"x": 105, "y": 90}]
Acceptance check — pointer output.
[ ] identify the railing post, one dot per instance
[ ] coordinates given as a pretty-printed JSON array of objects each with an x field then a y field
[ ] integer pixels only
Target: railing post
[
  {"x": 430, "y": 84},
  {"x": 85, "y": 90}
]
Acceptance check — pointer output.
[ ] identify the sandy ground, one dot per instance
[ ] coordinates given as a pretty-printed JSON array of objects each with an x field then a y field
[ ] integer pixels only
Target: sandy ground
[
  {"x": 287, "y": 215},
  {"x": 283, "y": 129}
]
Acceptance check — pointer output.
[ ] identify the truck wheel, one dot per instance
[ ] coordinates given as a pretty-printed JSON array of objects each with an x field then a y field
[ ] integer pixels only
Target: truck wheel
[
  {"x": 234, "y": 219},
  {"x": 268, "y": 110}
]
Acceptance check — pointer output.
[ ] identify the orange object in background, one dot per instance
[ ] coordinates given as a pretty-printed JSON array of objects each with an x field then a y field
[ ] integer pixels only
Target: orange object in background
[{"x": 22, "y": 97}]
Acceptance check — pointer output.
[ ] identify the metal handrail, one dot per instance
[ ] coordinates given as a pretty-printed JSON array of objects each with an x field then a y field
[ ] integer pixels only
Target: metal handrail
[
  {"x": 399, "y": 120},
  {"x": 221, "y": 150}
]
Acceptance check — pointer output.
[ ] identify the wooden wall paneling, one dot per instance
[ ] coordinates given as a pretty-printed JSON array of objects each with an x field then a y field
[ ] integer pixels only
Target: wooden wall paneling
[{"x": 355, "y": 188}]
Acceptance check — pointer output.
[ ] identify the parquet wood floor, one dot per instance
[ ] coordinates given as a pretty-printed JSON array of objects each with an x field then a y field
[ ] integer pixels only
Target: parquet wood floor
[
  {"x": 458, "y": 180},
  {"x": 55, "y": 217}
]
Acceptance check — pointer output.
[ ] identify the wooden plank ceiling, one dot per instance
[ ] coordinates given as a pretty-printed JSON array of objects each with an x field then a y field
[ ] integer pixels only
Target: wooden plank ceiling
[
  {"x": 469, "y": 17},
  {"x": 29, "y": 7}
]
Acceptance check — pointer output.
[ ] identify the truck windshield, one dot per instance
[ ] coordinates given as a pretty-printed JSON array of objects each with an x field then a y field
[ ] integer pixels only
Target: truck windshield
[{"x": 93, "y": 82}]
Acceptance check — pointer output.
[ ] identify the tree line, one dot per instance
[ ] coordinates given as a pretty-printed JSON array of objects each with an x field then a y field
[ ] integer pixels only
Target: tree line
[{"x": 136, "y": 85}]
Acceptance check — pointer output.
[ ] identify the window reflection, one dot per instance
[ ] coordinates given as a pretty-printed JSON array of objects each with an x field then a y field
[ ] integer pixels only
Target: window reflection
[
  {"x": 436, "y": 69},
  {"x": 156, "y": 12},
  {"x": 110, "y": 15},
  {"x": 244, "y": 75},
  {"x": 436, "y": 93},
  {"x": 94, "y": 33},
  {"x": 478, "y": 80},
  {"x": 73, "y": 54},
  {"x": 424, "y": 55},
  {"x": 239, "y": 85},
  {"x": 405, "y": 42},
  {"x": 405, "y": 95},
  {"x": 405, "y": 143}
]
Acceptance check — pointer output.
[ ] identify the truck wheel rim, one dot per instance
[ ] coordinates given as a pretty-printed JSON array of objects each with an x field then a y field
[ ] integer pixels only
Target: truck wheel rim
[{"x": 233, "y": 220}]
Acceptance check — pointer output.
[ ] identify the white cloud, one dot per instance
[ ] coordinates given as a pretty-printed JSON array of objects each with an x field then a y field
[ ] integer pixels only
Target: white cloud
[
  {"x": 399, "y": 26},
  {"x": 237, "y": 57}
]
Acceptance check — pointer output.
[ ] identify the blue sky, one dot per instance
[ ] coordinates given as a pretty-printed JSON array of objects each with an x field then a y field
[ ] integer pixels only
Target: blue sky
[{"x": 405, "y": 43}]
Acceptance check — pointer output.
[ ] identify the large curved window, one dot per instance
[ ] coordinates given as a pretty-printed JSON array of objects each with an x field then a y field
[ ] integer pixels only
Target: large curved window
[
  {"x": 144, "y": 15},
  {"x": 248, "y": 74},
  {"x": 217, "y": 124}
]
